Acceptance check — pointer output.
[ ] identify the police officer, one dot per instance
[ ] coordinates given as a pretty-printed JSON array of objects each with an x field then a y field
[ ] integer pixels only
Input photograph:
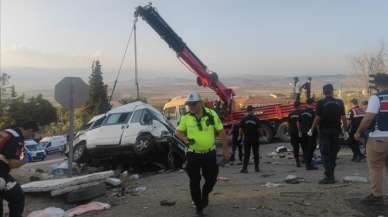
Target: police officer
[
  {"x": 377, "y": 146},
  {"x": 309, "y": 143},
  {"x": 11, "y": 156},
  {"x": 356, "y": 113},
  {"x": 249, "y": 126},
  {"x": 295, "y": 131},
  {"x": 198, "y": 130},
  {"x": 330, "y": 113},
  {"x": 236, "y": 143}
]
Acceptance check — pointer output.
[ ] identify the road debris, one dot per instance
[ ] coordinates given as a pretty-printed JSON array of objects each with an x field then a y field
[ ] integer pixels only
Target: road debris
[
  {"x": 48, "y": 212},
  {"x": 355, "y": 179},
  {"x": 139, "y": 189},
  {"x": 167, "y": 203},
  {"x": 293, "y": 179},
  {"x": 221, "y": 178},
  {"x": 281, "y": 149},
  {"x": 134, "y": 177},
  {"x": 92, "y": 206},
  {"x": 271, "y": 185}
]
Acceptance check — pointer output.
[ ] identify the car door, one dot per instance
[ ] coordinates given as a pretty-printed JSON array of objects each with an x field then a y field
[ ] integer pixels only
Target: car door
[
  {"x": 137, "y": 125},
  {"x": 111, "y": 130}
]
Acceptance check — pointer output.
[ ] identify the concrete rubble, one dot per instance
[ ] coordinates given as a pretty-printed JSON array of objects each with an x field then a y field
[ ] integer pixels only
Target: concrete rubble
[
  {"x": 115, "y": 182},
  {"x": 66, "y": 185}
]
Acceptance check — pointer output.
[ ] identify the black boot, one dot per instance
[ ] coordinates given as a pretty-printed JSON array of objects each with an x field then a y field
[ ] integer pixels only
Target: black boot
[
  {"x": 199, "y": 212},
  {"x": 243, "y": 170},
  {"x": 205, "y": 200},
  {"x": 329, "y": 178},
  {"x": 310, "y": 166}
]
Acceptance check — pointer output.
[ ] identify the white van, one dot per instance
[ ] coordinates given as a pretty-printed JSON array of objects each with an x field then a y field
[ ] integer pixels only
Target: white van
[
  {"x": 54, "y": 143},
  {"x": 135, "y": 129}
]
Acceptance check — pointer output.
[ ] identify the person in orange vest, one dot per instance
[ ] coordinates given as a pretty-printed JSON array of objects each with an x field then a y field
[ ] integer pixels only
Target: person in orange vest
[{"x": 356, "y": 113}]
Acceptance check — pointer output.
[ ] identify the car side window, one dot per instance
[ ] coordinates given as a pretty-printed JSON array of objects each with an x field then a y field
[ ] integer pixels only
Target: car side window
[
  {"x": 98, "y": 122},
  {"x": 147, "y": 118},
  {"x": 137, "y": 116},
  {"x": 118, "y": 118}
]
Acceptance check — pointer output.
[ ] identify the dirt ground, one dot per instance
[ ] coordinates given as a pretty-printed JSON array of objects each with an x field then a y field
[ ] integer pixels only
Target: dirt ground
[{"x": 244, "y": 194}]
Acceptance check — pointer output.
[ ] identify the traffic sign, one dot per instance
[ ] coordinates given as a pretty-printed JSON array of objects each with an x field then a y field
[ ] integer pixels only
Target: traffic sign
[{"x": 71, "y": 92}]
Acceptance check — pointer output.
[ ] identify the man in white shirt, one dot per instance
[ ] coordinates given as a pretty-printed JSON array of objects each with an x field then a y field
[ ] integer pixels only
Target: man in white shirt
[{"x": 377, "y": 146}]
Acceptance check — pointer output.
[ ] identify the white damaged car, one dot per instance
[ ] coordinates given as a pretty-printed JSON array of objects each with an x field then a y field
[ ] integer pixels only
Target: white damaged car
[{"x": 132, "y": 132}]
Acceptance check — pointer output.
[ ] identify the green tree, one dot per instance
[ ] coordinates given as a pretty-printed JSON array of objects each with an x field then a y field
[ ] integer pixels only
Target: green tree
[
  {"x": 35, "y": 108},
  {"x": 98, "y": 102},
  {"x": 7, "y": 91}
]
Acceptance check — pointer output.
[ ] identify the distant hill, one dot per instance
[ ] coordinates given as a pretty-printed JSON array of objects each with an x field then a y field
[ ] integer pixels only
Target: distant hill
[{"x": 32, "y": 81}]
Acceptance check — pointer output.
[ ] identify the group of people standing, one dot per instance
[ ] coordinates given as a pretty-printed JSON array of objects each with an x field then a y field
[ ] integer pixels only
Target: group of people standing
[{"x": 200, "y": 126}]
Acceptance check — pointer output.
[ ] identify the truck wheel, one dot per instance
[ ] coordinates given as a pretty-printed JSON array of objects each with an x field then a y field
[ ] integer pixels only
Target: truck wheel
[
  {"x": 266, "y": 134},
  {"x": 282, "y": 132},
  {"x": 79, "y": 153},
  {"x": 144, "y": 144}
]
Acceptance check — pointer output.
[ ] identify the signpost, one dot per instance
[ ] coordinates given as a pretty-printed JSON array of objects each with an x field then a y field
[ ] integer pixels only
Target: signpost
[{"x": 71, "y": 93}]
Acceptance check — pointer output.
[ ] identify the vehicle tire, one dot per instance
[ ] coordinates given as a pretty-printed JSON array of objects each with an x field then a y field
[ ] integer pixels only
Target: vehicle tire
[
  {"x": 79, "y": 153},
  {"x": 144, "y": 144},
  {"x": 266, "y": 134},
  {"x": 282, "y": 132}
]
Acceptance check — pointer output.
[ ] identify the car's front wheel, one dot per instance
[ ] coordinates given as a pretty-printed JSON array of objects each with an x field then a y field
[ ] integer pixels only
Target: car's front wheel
[
  {"x": 143, "y": 144},
  {"x": 79, "y": 153}
]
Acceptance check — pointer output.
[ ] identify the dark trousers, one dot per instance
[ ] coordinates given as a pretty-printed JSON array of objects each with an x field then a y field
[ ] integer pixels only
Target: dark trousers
[
  {"x": 309, "y": 144},
  {"x": 15, "y": 198},
  {"x": 248, "y": 145},
  {"x": 329, "y": 146},
  {"x": 354, "y": 146},
  {"x": 236, "y": 145},
  {"x": 208, "y": 164},
  {"x": 295, "y": 141}
]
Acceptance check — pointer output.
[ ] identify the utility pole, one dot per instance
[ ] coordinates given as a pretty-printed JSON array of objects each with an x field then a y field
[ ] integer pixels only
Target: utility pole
[{"x": 136, "y": 72}]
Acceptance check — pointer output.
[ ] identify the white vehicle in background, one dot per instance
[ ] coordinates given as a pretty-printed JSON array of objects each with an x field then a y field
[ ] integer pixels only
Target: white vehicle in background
[
  {"x": 175, "y": 109},
  {"x": 54, "y": 143},
  {"x": 135, "y": 131}
]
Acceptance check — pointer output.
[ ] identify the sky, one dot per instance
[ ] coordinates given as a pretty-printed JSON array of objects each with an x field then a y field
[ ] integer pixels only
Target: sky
[{"x": 278, "y": 37}]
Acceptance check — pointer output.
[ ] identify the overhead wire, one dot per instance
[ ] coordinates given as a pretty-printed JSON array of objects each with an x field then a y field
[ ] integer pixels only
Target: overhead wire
[{"x": 123, "y": 59}]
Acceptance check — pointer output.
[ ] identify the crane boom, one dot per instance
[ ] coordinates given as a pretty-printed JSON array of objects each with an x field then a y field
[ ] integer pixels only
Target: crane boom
[{"x": 204, "y": 77}]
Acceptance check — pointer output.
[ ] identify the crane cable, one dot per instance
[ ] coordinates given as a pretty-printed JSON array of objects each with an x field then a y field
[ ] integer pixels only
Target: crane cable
[{"x": 123, "y": 59}]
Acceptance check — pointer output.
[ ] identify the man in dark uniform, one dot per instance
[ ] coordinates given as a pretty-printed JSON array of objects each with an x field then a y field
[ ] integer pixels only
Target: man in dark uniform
[
  {"x": 356, "y": 113},
  {"x": 198, "y": 130},
  {"x": 309, "y": 143},
  {"x": 236, "y": 142},
  {"x": 249, "y": 128},
  {"x": 330, "y": 113},
  {"x": 11, "y": 149},
  {"x": 295, "y": 131}
]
